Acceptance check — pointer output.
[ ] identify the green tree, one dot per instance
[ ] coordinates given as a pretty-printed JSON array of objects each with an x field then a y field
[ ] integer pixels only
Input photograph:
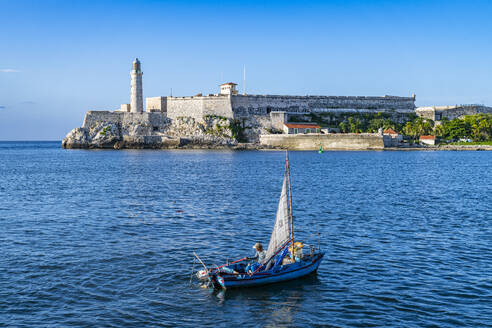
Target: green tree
[
  {"x": 439, "y": 130},
  {"x": 343, "y": 127}
]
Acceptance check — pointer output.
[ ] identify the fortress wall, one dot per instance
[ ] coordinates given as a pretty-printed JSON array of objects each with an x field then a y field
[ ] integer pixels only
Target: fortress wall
[
  {"x": 398, "y": 104},
  {"x": 261, "y": 105},
  {"x": 451, "y": 112},
  {"x": 93, "y": 118},
  {"x": 197, "y": 107},
  {"x": 345, "y": 141},
  {"x": 460, "y": 111},
  {"x": 426, "y": 112},
  {"x": 220, "y": 106},
  {"x": 155, "y": 119},
  {"x": 185, "y": 107}
]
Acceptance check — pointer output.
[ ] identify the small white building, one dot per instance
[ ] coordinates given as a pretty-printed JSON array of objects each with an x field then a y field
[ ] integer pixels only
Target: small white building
[
  {"x": 228, "y": 88},
  {"x": 428, "y": 140},
  {"x": 297, "y": 128},
  {"x": 125, "y": 108},
  {"x": 395, "y": 136},
  {"x": 156, "y": 104}
]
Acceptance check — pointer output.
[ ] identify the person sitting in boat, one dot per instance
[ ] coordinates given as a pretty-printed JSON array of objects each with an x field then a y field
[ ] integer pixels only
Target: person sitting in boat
[
  {"x": 259, "y": 257},
  {"x": 260, "y": 253}
]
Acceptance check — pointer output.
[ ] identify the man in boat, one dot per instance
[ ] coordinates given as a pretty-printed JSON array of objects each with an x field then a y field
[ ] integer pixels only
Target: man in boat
[
  {"x": 259, "y": 257},
  {"x": 260, "y": 253}
]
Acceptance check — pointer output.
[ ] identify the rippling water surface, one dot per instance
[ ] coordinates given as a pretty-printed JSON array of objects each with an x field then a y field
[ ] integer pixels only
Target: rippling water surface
[{"x": 105, "y": 238}]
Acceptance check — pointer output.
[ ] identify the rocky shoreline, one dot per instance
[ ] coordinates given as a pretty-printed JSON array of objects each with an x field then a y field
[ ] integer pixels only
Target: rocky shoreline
[
  {"x": 112, "y": 130},
  {"x": 149, "y": 142}
]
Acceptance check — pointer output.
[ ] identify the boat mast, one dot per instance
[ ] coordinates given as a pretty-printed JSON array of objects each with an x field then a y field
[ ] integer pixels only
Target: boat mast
[{"x": 290, "y": 203}]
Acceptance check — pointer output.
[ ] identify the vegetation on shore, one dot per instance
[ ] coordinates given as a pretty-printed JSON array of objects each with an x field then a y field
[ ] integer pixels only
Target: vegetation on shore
[
  {"x": 360, "y": 122},
  {"x": 474, "y": 143},
  {"x": 226, "y": 127},
  {"x": 477, "y": 128}
]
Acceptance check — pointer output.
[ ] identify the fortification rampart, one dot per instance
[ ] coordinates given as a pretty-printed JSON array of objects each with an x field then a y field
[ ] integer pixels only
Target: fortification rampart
[
  {"x": 96, "y": 118},
  {"x": 346, "y": 141},
  {"x": 437, "y": 113},
  {"x": 246, "y": 105},
  {"x": 198, "y": 107}
]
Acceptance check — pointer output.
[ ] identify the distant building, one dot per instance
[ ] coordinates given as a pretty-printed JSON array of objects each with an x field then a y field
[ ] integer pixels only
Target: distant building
[
  {"x": 428, "y": 140},
  {"x": 296, "y": 128},
  {"x": 156, "y": 104},
  {"x": 393, "y": 135},
  {"x": 125, "y": 108},
  {"x": 228, "y": 88}
]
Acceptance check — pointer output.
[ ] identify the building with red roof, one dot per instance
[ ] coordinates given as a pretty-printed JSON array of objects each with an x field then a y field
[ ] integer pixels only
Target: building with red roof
[
  {"x": 393, "y": 138},
  {"x": 228, "y": 88},
  {"x": 391, "y": 132},
  {"x": 428, "y": 140},
  {"x": 296, "y": 128}
]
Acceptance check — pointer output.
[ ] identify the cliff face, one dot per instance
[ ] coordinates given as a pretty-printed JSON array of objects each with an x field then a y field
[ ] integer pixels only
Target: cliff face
[{"x": 117, "y": 130}]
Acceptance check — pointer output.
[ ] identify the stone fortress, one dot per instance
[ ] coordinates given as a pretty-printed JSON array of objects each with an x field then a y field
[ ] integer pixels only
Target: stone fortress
[
  {"x": 437, "y": 113},
  {"x": 216, "y": 120}
]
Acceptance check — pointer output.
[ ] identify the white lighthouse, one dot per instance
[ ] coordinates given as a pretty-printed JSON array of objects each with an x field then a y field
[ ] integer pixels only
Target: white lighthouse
[{"x": 136, "y": 96}]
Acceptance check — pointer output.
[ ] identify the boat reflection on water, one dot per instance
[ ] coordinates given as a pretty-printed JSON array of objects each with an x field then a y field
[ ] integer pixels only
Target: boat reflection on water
[
  {"x": 268, "y": 292},
  {"x": 277, "y": 304}
]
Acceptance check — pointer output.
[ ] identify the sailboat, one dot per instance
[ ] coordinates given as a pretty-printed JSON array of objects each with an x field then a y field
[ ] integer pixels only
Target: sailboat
[{"x": 285, "y": 258}]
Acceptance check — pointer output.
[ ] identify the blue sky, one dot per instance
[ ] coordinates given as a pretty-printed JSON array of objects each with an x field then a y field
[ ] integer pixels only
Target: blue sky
[{"x": 59, "y": 59}]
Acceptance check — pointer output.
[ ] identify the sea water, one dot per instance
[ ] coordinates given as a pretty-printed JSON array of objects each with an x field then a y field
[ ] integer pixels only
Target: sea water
[{"x": 105, "y": 238}]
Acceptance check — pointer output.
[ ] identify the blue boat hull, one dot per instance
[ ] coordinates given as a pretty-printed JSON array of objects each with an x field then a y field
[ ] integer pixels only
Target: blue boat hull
[{"x": 279, "y": 274}]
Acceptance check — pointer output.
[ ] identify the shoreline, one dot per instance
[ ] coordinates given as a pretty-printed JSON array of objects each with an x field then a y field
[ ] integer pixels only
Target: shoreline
[
  {"x": 254, "y": 146},
  {"x": 251, "y": 146},
  {"x": 259, "y": 147}
]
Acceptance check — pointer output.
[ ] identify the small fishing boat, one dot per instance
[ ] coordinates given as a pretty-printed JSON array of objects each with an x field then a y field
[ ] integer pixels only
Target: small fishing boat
[{"x": 285, "y": 259}]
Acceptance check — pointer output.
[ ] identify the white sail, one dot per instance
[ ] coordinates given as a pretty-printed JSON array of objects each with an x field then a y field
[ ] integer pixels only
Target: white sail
[{"x": 281, "y": 229}]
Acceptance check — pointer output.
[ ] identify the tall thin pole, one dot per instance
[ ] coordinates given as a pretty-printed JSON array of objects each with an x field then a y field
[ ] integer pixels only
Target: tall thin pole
[
  {"x": 290, "y": 203},
  {"x": 244, "y": 80}
]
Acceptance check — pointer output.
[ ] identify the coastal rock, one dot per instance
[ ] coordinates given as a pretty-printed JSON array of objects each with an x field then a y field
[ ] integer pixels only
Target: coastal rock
[
  {"x": 147, "y": 142},
  {"x": 140, "y": 130},
  {"x": 77, "y": 138},
  {"x": 106, "y": 136},
  {"x": 207, "y": 141},
  {"x": 219, "y": 126},
  {"x": 119, "y": 130},
  {"x": 185, "y": 126}
]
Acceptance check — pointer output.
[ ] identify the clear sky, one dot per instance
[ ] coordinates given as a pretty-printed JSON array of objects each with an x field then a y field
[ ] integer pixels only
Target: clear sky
[{"x": 59, "y": 59}]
